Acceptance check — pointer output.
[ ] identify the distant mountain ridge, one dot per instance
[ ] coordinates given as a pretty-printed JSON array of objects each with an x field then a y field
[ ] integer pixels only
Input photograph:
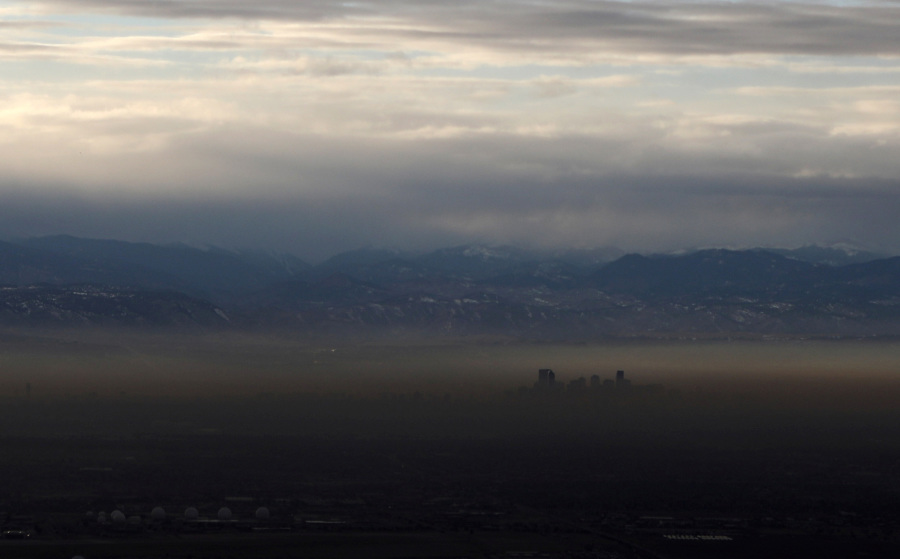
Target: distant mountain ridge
[
  {"x": 838, "y": 255},
  {"x": 206, "y": 273},
  {"x": 468, "y": 290}
]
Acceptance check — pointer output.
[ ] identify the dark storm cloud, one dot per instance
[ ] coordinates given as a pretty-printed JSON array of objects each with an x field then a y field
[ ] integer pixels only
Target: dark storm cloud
[
  {"x": 645, "y": 213},
  {"x": 580, "y": 27}
]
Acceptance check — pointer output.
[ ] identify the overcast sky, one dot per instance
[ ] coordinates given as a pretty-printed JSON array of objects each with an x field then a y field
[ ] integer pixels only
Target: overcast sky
[{"x": 318, "y": 126}]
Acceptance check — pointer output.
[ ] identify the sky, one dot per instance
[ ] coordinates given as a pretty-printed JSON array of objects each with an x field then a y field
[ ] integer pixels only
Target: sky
[{"x": 318, "y": 126}]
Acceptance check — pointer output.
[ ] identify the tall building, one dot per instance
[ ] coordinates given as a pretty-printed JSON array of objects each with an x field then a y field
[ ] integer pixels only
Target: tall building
[
  {"x": 577, "y": 385},
  {"x": 546, "y": 378}
]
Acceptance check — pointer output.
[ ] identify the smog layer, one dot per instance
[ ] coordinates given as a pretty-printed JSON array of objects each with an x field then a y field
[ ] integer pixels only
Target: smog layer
[{"x": 698, "y": 449}]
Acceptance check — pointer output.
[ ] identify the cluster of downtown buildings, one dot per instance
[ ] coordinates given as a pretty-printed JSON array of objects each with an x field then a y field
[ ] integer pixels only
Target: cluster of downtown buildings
[{"x": 548, "y": 383}]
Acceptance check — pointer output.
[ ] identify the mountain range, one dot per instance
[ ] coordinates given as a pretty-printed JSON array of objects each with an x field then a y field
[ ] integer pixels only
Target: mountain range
[{"x": 459, "y": 291}]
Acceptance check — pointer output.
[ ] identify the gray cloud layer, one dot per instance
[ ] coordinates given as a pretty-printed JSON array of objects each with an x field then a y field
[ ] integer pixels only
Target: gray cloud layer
[
  {"x": 668, "y": 27},
  {"x": 320, "y": 126},
  {"x": 446, "y": 193}
]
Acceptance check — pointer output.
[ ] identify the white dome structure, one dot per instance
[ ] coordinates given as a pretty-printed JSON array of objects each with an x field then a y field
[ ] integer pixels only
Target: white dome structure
[
  {"x": 158, "y": 514},
  {"x": 262, "y": 513},
  {"x": 224, "y": 513},
  {"x": 191, "y": 513},
  {"x": 118, "y": 517}
]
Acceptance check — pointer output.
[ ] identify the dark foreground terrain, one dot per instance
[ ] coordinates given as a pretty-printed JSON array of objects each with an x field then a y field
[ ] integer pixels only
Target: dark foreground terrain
[{"x": 772, "y": 465}]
